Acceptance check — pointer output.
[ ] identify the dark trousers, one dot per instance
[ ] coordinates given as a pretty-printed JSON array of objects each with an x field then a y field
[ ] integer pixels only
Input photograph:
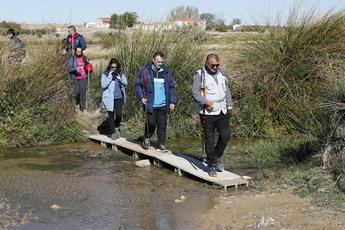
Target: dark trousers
[
  {"x": 80, "y": 86},
  {"x": 115, "y": 117},
  {"x": 159, "y": 118},
  {"x": 213, "y": 123}
]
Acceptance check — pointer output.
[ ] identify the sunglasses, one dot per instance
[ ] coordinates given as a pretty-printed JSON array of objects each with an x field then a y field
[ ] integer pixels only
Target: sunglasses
[
  {"x": 215, "y": 65},
  {"x": 113, "y": 67}
]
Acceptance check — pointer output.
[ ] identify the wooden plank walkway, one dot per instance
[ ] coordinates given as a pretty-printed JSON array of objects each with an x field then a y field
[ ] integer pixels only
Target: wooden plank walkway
[{"x": 181, "y": 162}]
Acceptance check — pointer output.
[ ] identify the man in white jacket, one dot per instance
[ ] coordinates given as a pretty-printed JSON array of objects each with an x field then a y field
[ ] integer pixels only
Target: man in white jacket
[{"x": 211, "y": 91}]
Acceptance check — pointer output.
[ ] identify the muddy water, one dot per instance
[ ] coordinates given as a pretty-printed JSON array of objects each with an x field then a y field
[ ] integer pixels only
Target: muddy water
[{"x": 94, "y": 192}]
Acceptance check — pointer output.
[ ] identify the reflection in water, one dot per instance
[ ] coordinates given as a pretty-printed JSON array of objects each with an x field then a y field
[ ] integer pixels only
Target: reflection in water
[{"x": 98, "y": 193}]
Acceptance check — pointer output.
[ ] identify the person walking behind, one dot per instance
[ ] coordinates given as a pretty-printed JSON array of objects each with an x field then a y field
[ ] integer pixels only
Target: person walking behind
[
  {"x": 113, "y": 84},
  {"x": 73, "y": 40},
  {"x": 155, "y": 87},
  {"x": 214, "y": 104},
  {"x": 77, "y": 70},
  {"x": 17, "y": 49}
]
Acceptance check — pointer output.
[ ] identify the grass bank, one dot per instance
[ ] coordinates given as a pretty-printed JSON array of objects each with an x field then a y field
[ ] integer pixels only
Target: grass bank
[{"x": 36, "y": 103}]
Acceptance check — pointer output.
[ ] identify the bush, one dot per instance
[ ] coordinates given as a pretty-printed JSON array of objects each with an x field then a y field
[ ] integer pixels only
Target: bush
[
  {"x": 291, "y": 67},
  {"x": 222, "y": 28},
  {"x": 184, "y": 56},
  {"x": 36, "y": 101}
]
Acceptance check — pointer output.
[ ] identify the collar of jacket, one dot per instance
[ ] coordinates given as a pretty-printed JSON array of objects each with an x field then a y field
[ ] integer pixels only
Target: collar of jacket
[
  {"x": 209, "y": 71},
  {"x": 151, "y": 66}
]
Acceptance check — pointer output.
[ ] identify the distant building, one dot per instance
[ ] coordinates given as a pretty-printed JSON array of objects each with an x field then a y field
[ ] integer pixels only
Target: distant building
[
  {"x": 236, "y": 27},
  {"x": 101, "y": 23},
  {"x": 186, "y": 22}
]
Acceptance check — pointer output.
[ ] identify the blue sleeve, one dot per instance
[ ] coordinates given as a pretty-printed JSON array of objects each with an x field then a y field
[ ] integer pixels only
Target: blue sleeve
[
  {"x": 172, "y": 89},
  {"x": 138, "y": 86},
  {"x": 106, "y": 80},
  {"x": 82, "y": 43}
]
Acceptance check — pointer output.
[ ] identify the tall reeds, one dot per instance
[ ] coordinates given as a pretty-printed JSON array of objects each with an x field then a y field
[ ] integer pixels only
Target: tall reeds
[
  {"x": 134, "y": 48},
  {"x": 292, "y": 67},
  {"x": 35, "y": 99}
]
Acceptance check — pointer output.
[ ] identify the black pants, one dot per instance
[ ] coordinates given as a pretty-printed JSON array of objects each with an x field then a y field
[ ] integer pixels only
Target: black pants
[
  {"x": 80, "y": 86},
  {"x": 219, "y": 123},
  {"x": 159, "y": 118},
  {"x": 115, "y": 117}
]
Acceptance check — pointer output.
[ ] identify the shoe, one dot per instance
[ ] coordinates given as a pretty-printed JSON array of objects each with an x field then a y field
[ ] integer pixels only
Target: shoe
[
  {"x": 146, "y": 143},
  {"x": 117, "y": 133},
  {"x": 220, "y": 166},
  {"x": 212, "y": 171},
  {"x": 161, "y": 148},
  {"x": 113, "y": 136}
]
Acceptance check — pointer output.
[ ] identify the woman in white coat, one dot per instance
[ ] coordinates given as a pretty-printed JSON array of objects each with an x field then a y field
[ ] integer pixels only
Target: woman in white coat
[{"x": 114, "y": 95}]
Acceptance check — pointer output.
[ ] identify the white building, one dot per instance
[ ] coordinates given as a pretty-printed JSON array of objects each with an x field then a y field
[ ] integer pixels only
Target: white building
[{"x": 101, "y": 23}]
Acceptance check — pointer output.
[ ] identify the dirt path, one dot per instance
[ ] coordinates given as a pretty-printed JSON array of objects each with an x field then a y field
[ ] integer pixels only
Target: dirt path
[{"x": 266, "y": 210}]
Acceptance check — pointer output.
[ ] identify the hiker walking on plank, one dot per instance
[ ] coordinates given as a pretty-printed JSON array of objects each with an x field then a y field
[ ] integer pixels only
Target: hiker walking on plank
[
  {"x": 155, "y": 87},
  {"x": 113, "y": 84},
  {"x": 211, "y": 91}
]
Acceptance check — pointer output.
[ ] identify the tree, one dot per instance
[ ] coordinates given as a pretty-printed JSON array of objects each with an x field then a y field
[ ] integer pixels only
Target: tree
[
  {"x": 210, "y": 20},
  {"x": 236, "y": 21},
  {"x": 221, "y": 27},
  {"x": 183, "y": 12},
  {"x": 129, "y": 18},
  {"x": 122, "y": 21}
]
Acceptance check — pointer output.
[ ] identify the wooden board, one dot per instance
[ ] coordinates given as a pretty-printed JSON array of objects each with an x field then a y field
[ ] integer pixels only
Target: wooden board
[{"x": 181, "y": 162}]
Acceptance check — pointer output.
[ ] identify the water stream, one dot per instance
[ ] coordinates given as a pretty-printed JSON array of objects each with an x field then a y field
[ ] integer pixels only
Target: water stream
[{"x": 62, "y": 187}]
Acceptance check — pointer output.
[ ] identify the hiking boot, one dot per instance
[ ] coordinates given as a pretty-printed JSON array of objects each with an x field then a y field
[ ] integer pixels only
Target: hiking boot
[
  {"x": 146, "y": 143},
  {"x": 220, "y": 166},
  {"x": 117, "y": 133},
  {"x": 212, "y": 171},
  {"x": 113, "y": 136},
  {"x": 161, "y": 148}
]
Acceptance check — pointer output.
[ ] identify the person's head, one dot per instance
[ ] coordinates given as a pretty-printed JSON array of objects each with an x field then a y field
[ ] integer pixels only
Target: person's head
[
  {"x": 78, "y": 52},
  {"x": 212, "y": 61},
  {"x": 114, "y": 65},
  {"x": 158, "y": 59},
  {"x": 71, "y": 29},
  {"x": 10, "y": 33}
]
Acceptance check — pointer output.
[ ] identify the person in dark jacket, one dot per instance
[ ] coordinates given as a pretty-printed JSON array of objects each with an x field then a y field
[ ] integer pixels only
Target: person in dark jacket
[
  {"x": 113, "y": 83},
  {"x": 155, "y": 87},
  {"x": 74, "y": 40},
  {"x": 17, "y": 49}
]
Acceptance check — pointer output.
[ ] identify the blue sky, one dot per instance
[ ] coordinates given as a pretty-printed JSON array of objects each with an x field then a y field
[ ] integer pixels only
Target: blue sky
[{"x": 250, "y": 11}]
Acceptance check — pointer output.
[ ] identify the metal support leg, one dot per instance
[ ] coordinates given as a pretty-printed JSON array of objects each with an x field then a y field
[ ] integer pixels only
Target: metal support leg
[
  {"x": 179, "y": 172},
  {"x": 135, "y": 155}
]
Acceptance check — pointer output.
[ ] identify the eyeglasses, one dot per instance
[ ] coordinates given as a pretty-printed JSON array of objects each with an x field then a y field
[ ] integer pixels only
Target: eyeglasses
[
  {"x": 113, "y": 67},
  {"x": 215, "y": 65}
]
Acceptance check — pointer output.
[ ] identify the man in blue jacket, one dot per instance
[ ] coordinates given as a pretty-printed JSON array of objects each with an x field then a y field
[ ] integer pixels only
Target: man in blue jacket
[
  {"x": 155, "y": 87},
  {"x": 74, "y": 40}
]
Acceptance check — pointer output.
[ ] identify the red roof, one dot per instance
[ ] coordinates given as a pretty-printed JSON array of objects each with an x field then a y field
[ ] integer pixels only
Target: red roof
[{"x": 104, "y": 19}]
